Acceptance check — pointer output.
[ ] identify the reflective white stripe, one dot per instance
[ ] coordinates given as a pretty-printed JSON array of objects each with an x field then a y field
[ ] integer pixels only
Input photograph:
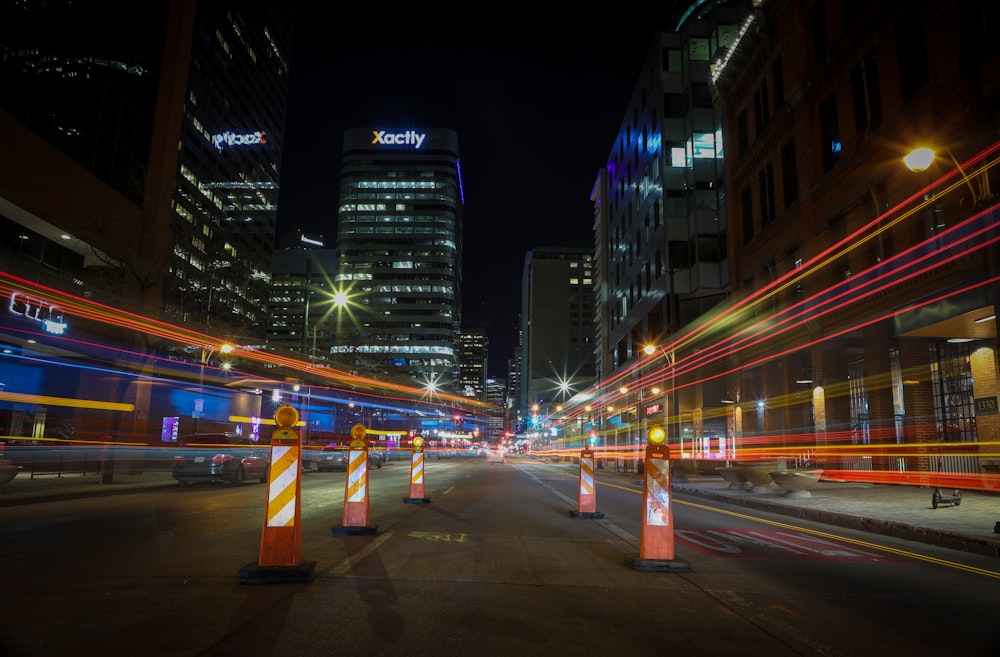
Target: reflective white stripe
[
  {"x": 283, "y": 517},
  {"x": 282, "y": 483},
  {"x": 658, "y": 487},
  {"x": 417, "y": 469},
  {"x": 357, "y": 476},
  {"x": 586, "y": 476}
]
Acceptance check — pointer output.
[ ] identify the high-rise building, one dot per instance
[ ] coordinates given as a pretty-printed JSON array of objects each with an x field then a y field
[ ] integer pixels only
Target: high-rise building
[
  {"x": 660, "y": 201},
  {"x": 660, "y": 221},
  {"x": 302, "y": 298},
  {"x": 473, "y": 353},
  {"x": 225, "y": 199},
  {"x": 141, "y": 165},
  {"x": 399, "y": 244},
  {"x": 496, "y": 397},
  {"x": 557, "y": 332}
]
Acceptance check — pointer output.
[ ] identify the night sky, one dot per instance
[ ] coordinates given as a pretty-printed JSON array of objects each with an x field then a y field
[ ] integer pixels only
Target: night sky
[{"x": 536, "y": 108}]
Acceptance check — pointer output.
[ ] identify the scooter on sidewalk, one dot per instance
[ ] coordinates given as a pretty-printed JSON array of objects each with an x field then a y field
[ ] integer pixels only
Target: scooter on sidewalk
[{"x": 938, "y": 498}]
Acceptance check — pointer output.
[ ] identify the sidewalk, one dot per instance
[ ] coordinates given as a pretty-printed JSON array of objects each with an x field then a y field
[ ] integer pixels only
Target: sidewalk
[
  {"x": 23, "y": 489},
  {"x": 900, "y": 511}
]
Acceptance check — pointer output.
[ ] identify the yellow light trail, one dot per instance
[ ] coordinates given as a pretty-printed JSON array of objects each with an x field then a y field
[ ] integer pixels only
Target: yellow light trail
[{"x": 66, "y": 401}]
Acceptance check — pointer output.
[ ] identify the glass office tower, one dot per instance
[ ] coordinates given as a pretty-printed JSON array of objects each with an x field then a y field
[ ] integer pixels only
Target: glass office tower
[
  {"x": 226, "y": 197},
  {"x": 399, "y": 244},
  {"x": 141, "y": 165}
]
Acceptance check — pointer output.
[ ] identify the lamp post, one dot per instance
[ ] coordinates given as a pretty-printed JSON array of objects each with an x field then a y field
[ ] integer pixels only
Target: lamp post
[
  {"x": 623, "y": 416},
  {"x": 206, "y": 354},
  {"x": 735, "y": 425},
  {"x": 649, "y": 350},
  {"x": 920, "y": 159},
  {"x": 213, "y": 266},
  {"x": 610, "y": 409}
]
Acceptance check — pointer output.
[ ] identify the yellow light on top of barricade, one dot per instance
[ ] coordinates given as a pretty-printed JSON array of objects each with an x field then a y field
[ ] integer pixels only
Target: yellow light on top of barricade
[
  {"x": 358, "y": 432},
  {"x": 286, "y": 417},
  {"x": 418, "y": 442},
  {"x": 657, "y": 435}
]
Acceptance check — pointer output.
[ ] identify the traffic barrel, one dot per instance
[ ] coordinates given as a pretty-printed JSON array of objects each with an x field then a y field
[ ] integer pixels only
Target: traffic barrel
[
  {"x": 417, "y": 474},
  {"x": 280, "y": 558},
  {"x": 656, "y": 534},
  {"x": 357, "y": 510},
  {"x": 587, "y": 495}
]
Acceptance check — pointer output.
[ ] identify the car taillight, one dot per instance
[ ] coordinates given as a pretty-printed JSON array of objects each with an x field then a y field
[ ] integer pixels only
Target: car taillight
[
  {"x": 179, "y": 459},
  {"x": 220, "y": 458}
]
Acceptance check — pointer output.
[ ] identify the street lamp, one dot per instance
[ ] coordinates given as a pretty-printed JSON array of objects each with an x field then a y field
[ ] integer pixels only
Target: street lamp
[
  {"x": 734, "y": 430},
  {"x": 920, "y": 159},
  {"x": 670, "y": 356},
  {"x": 206, "y": 354},
  {"x": 214, "y": 266},
  {"x": 623, "y": 417}
]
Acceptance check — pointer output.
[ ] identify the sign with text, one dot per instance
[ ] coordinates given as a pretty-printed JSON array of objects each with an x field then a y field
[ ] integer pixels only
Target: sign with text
[
  {"x": 48, "y": 315},
  {"x": 986, "y": 405},
  {"x": 408, "y": 138},
  {"x": 229, "y": 138}
]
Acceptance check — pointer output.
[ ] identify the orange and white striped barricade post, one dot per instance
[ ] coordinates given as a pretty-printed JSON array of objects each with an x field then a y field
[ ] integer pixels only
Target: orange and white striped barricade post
[
  {"x": 280, "y": 558},
  {"x": 417, "y": 474},
  {"x": 587, "y": 496},
  {"x": 357, "y": 510},
  {"x": 656, "y": 535}
]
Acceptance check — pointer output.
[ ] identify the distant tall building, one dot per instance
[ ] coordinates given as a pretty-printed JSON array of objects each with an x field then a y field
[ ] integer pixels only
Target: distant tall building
[
  {"x": 301, "y": 299},
  {"x": 515, "y": 403},
  {"x": 140, "y": 165},
  {"x": 473, "y": 352},
  {"x": 399, "y": 240},
  {"x": 496, "y": 397},
  {"x": 557, "y": 330}
]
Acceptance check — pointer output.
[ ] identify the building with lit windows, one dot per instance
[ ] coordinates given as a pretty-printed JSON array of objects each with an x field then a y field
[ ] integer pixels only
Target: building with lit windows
[
  {"x": 141, "y": 165},
  {"x": 399, "y": 244},
  {"x": 496, "y": 397},
  {"x": 660, "y": 220},
  {"x": 514, "y": 410},
  {"x": 473, "y": 353},
  {"x": 557, "y": 330},
  {"x": 302, "y": 300},
  {"x": 873, "y": 274}
]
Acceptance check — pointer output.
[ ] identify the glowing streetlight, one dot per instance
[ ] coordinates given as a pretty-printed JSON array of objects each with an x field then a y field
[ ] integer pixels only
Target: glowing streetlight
[{"x": 919, "y": 159}]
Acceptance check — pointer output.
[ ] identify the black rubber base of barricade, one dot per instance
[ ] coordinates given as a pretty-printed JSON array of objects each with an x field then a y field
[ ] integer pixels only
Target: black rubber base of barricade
[
  {"x": 355, "y": 531},
  {"x": 586, "y": 514},
  {"x": 255, "y": 574},
  {"x": 417, "y": 500},
  {"x": 657, "y": 565}
]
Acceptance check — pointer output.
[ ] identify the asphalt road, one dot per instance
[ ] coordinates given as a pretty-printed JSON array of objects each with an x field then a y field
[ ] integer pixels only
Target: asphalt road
[{"x": 494, "y": 564}]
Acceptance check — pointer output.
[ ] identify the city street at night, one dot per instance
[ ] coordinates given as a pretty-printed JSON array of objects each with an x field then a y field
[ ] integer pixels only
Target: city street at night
[{"x": 494, "y": 563}]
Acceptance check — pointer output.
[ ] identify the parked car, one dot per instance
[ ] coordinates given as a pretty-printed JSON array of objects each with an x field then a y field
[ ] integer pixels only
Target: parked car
[
  {"x": 377, "y": 457},
  {"x": 332, "y": 458},
  {"x": 335, "y": 457},
  {"x": 220, "y": 457}
]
